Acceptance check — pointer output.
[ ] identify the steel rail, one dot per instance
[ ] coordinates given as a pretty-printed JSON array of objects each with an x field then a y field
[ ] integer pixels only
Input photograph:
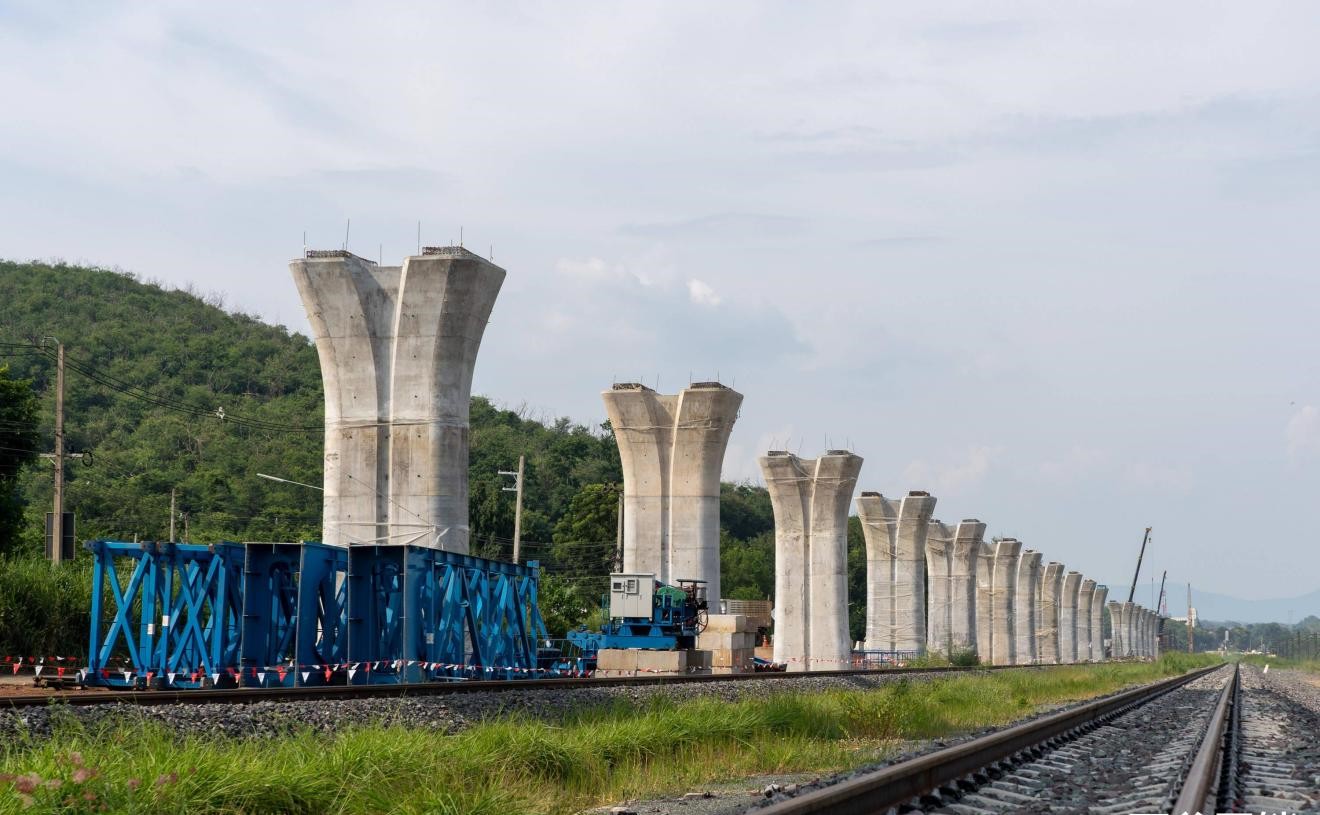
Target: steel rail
[
  {"x": 1203, "y": 777},
  {"x": 897, "y": 784},
  {"x": 248, "y": 695}
]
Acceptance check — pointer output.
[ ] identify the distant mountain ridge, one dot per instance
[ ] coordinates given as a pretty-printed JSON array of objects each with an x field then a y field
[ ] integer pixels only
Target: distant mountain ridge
[{"x": 1227, "y": 608}]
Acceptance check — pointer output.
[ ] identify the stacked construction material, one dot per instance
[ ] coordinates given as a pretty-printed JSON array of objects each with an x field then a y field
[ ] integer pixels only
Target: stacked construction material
[{"x": 729, "y": 639}]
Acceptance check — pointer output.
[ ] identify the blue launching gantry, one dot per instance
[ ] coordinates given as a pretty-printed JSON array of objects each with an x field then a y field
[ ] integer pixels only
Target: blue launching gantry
[{"x": 172, "y": 615}]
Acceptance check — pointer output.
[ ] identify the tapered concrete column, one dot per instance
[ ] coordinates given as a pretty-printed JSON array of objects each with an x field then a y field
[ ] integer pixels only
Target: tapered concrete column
[
  {"x": 985, "y": 568},
  {"x": 445, "y": 299},
  {"x": 810, "y": 499},
  {"x": 1072, "y": 583},
  {"x": 895, "y": 533},
  {"x": 1025, "y": 610},
  {"x": 1126, "y": 618},
  {"x": 962, "y": 584},
  {"x": 1148, "y": 633},
  {"x": 939, "y": 602},
  {"x": 1085, "y": 600},
  {"x": 672, "y": 449},
  {"x": 1098, "y": 623},
  {"x": 1116, "y": 645},
  {"x": 1139, "y": 632},
  {"x": 350, "y": 303},
  {"x": 1156, "y": 625},
  {"x": 1047, "y": 613},
  {"x": 1002, "y": 590}
]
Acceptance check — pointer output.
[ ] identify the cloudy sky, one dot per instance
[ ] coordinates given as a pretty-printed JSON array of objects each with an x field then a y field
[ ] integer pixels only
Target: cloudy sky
[{"x": 1054, "y": 263}]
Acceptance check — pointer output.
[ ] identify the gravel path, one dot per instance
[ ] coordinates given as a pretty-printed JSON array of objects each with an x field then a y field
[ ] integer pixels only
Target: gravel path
[{"x": 444, "y": 713}]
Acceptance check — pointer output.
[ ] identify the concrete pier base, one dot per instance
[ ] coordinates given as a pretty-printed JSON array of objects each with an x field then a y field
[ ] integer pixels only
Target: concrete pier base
[
  {"x": 1003, "y": 587},
  {"x": 1072, "y": 583},
  {"x": 1098, "y": 623},
  {"x": 1085, "y": 599},
  {"x": 672, "y": 449},
  {"x": 895, "y": 533},
  {"x": 1026, "y": 608},
  {"x": 1047, "y": 613},
  {"x": 810, "y": 498}
]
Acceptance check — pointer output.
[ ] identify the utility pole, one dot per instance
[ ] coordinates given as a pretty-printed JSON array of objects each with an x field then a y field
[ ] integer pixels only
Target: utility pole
[
  {"x": 172, "y": 514},
  {"x": 57, "y": 456},
  {"x": 517, "y": 512},
  {"x": 57, "y": 522},
  {"x": 1132, "y": 592}
]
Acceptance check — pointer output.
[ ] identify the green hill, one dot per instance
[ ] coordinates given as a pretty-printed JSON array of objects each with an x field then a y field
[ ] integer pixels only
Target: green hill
[{"x": 150, "y": 370}]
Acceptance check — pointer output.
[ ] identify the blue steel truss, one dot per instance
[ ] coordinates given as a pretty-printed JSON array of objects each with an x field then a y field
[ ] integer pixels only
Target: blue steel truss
[
  {"x": 280, "y": 614},
  {"x": 175, "y": 613}
]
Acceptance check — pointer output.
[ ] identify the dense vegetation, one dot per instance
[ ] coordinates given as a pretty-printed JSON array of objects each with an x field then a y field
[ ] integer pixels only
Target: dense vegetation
[{"x": 150, "y": 370}]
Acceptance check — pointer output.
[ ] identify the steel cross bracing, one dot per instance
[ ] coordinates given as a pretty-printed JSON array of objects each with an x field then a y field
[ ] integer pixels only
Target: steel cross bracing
[{"x": 169, "y": 615}]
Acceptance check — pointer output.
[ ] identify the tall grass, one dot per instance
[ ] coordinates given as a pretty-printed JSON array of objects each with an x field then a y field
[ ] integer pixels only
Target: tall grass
[
  {"x": 44, "y": 609},
  {"x": 517, "y": 764}
]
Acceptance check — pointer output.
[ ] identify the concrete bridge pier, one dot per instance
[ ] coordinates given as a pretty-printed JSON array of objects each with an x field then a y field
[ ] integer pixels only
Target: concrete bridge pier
[
  {"x": 1098, "y": 623},
  {"x": 672, "y": 449},
  {"x": 1003, "y": 588},
  {"x": 962, "y": 584},
  {"x": 1068, "y": 600},
  {"x": 1047, "y": 615},
  {"x": 895, "y": 533},
  {"x": 939, "y": 598},
  {"x": 810, "y": 498},
  {"x": 1085, "y": 600},
  {"x": 1025, "y": 611},
  {"x": 985, "y": 567}
]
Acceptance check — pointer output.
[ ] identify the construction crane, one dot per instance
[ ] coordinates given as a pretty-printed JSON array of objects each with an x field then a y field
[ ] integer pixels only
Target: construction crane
[{"x": 1132, "y": 592}]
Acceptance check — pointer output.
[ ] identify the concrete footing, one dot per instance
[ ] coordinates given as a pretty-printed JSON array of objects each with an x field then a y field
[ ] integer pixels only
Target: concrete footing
[
  {"x": 1047, "y": 613},
  {"x": 672, "y": 448},
  {"x": 895, "y": 533},
  {"x": 1026, "y": 608},
  {"x": 810, "y": 498},
  {"x": 1097, "y": 623},
  {"x": 1072, "y": 583},
  {"x": 1085, "y": 598},
  {"x": 1003, "y": 587}
]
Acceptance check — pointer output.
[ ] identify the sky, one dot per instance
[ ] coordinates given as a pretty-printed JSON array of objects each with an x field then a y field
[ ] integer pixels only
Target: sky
[{"x": 1053, "y": 263}]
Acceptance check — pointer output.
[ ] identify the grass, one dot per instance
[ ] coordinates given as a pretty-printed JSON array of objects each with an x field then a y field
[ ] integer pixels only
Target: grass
[{"x": 516, "y": 765}]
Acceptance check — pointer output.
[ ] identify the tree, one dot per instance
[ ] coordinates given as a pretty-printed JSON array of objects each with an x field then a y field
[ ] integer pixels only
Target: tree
[
  {"x": 583, "y": 548},
  {"x": 18, "y": 448}
]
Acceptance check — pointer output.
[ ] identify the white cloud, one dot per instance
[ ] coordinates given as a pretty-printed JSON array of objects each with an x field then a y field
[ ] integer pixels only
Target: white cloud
[
  {"x": 701, "y": 293},
  {"x": 1303, "y": 432},
  {"x": 952, "y": 477}
]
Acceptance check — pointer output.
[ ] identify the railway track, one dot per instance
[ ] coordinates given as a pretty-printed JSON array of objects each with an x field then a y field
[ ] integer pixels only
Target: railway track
[
  {"x": 1207, "y": 741},
  {"x": 329, "y": 692}
]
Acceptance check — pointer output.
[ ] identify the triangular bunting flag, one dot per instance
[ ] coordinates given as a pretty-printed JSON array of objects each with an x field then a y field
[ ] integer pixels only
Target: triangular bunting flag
[
  {"x": 306, "y": 674},
  {"x": 215, "y": 679},
  {"x": 128, "y": 676},
  {"x": 280, "y": 670},
  {"x": 38, "y": 670},
  {"x": 261, "y": 677},
  {"x": 351, "y": 671},
  {"x": 171, "y": 675},
  {"x": 327, "y": 674}
]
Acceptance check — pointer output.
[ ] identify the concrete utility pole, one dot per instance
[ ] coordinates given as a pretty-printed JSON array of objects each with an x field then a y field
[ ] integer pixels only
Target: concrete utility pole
[
  {"x": 172, "y": 514},
  {"x": 57, "y": 456},
  {"x": 57, "y": 522},
  {"x": 517, "y": 511}
]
